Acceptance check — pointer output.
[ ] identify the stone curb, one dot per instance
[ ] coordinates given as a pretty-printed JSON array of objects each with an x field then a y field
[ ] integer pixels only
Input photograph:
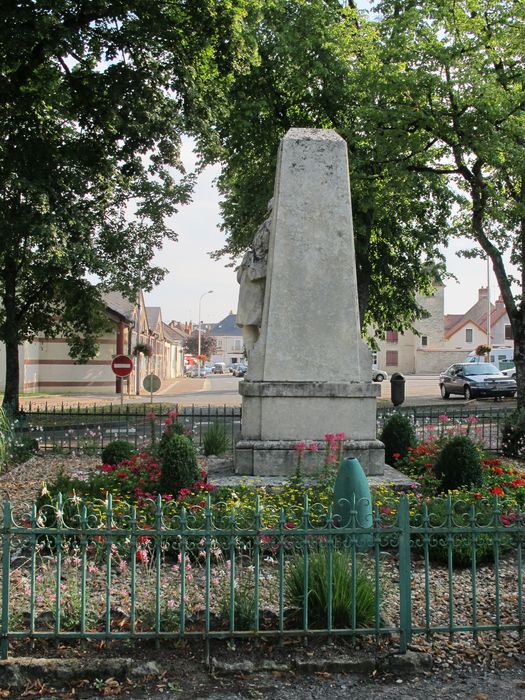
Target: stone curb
[
  {"x": 407, "y": 664},
  {"x": 18, "y": 672}
]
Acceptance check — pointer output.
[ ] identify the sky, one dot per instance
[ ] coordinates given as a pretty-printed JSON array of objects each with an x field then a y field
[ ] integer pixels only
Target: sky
[{"x": 192, "y": 273}]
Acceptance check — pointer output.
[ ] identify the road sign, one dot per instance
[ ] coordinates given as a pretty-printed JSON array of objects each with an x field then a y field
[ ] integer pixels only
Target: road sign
[
  {"x": 151, "y": 383},
  {"x": 122, "y": 365}
]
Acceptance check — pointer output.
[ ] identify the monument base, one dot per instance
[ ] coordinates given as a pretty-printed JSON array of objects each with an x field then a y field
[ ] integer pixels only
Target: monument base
[
  {"x": 278, "y": 415},
  {"x": 279, "y": 457}
]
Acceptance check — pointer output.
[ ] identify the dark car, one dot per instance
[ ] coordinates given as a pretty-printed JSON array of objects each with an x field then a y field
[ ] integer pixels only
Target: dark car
[{"x": 472, "y": 379}]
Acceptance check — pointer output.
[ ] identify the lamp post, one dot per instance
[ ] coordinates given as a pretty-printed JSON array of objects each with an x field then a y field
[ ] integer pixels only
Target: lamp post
[{"x": 200, "y": 329}]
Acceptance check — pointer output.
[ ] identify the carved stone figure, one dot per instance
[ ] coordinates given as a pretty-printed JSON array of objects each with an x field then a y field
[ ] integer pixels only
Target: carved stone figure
[{"x": 251, "y": 275}]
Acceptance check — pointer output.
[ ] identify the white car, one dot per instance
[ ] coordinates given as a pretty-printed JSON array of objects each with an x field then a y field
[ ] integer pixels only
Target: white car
[
  {"x": 509, "y": 372},
  {"x": 379, "y": 375}
]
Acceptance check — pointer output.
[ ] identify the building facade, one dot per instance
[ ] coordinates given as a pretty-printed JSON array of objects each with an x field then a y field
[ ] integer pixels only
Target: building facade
[
  {"x": 443, "y": 339},
  {"x": 45, "y": 364}
]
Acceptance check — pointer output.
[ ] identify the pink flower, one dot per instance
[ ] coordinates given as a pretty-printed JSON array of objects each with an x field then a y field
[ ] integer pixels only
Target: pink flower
[
  {"x": 472, "y": 420},
  {"x": 150, "y": 416},
  {"x": 443, "y": 418},
  {"x": 299, "y": 446},
  {"x": 340, "y": 437},
  {"x": 313, "y": 447}
]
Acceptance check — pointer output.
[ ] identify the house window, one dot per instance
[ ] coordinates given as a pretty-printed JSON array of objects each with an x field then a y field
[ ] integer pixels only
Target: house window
[
  {"x": 508, "y": 333},
  {"x": 391, "y": 336},
  {"x": 237, "y": 345},
  {"x": 219, "y": 344},
  {"x": 424, "y": 341},
  {"x": 469, "y": 335},
  {"x": 391, "y": 358}
]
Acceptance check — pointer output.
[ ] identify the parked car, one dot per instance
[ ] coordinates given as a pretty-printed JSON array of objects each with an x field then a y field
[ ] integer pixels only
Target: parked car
[
  {"x": 219, "y": 368},
  {"x": 379, "y": 375},
  {"x": 475, "y": 379},
  {"x": 196, "y": 371},
  {"x": 510, "y": 371},
  {"x": 240, "y": 370}
]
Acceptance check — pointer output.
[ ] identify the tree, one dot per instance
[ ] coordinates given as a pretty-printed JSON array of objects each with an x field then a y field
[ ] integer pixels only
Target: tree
[
  {"x": 95, "y": 97},
  {"x": 464, "y": 93},
  {"x": 320, "y": 65},
  {"x": 208, "y": 345}
]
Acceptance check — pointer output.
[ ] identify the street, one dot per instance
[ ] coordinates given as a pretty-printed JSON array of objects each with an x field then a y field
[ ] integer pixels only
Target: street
[{"x": 222, "y": 390}]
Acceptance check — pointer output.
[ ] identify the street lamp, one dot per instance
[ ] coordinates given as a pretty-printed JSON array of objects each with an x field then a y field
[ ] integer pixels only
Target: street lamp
[{"x": 200, "y": 329}]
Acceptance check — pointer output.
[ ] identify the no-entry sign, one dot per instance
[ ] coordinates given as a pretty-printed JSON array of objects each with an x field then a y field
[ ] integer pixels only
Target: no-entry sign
[{"x": 122, "y": 365}]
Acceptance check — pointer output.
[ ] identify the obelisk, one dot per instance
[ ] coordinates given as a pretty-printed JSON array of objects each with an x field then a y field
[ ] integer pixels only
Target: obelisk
[{"x": 309, "y": 372}]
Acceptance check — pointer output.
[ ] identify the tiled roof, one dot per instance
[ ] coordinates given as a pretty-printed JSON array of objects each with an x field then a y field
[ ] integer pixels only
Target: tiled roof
[
  {"x": 115, "y": 301},
  {"x": 226, "y": 327}
]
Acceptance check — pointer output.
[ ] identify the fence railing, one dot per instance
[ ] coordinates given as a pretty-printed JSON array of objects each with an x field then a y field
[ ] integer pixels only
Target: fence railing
[
  {"x": 81, "y": 429},
  {"x": 111, "y": 571},
  {"x": 88, "y": 430}
]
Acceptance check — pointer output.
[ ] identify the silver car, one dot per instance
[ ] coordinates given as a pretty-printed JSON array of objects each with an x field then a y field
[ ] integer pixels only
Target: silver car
[{"x": 472, "y": 379}]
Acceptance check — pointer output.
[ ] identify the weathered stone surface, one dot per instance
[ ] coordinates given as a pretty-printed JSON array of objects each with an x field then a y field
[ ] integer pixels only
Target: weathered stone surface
[
  {"x": 18, "y": 672},
  {"x": 309, "y": 372},
  {"x": 266, "y": 458}
]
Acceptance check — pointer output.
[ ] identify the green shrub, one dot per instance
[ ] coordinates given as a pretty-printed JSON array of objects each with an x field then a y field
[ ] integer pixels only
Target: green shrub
[
  {"x": 22, "y": 449},
  {"x": 116, "y": 451},
  {"x": 178, "y": 463},
  {"x": 342, "y": 591},
  {"x": 397, "y": 435},
  {"x": 513, "y": 435},
  {"x": 215, "y": 441},
  {"x": 459, "y": 464}
]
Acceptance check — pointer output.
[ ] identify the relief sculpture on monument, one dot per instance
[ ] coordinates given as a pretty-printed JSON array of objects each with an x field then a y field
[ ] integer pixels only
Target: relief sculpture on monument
[{"x": 251, "y": 275}]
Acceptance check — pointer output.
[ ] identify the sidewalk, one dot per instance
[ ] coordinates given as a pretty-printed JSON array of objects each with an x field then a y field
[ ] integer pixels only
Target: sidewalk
[{"x": 170, "y": 388}]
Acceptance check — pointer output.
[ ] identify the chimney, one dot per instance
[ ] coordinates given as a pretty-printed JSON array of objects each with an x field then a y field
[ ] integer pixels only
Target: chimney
[{"x": 482, "y": 293}]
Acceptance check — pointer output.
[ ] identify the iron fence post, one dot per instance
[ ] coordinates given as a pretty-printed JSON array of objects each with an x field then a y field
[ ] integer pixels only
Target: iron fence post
[
  {"x": 6, "y": 552},
  {"x": 405, "y": 596}
]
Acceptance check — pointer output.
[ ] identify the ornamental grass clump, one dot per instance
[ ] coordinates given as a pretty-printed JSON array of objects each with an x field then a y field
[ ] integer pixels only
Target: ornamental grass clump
[
  {"x": 342, "y": 590},
  {"x": 459, "y": 464},
  {"x": 215, "y": 441},
  {"x": 398, "y": 436}
]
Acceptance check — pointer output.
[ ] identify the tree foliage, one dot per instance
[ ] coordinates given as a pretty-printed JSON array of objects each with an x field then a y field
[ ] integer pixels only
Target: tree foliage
[
  {"x": 321, "y": 65},
  {"x": 208, "y": 345},
  {"x": 95, "y": 97},
  {"x": 462, "y": 96}
]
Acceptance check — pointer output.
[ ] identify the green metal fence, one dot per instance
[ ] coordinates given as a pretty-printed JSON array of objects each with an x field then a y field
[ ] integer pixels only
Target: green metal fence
[
  {"x": 111, "y": 571},
  {"x": 85, "y": 430},
  {"x": 80, "y": 429}
]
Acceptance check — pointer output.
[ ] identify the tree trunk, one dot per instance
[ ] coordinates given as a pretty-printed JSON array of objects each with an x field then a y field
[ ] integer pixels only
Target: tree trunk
[
  {"x": 12, "y": 375},
  {"x": 12, "y": 367}
]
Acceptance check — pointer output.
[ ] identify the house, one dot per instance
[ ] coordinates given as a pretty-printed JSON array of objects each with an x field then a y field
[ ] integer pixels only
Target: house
[
  {"x": 229, "y": 342},
  {"x": 45, "y": 364},
  {"x": 444, "y": 338}
]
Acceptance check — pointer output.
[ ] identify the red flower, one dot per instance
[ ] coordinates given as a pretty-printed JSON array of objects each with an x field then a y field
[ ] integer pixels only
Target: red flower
[
  {"x": 396, "y": 455},
  {"x": 141, "y": 556},
  {"x": 497, "y": 491},
  {"x": 497, "y": 470}
]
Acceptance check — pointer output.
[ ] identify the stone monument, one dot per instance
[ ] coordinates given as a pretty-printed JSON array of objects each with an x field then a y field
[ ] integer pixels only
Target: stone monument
[{"x": 309, "y": 371}]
